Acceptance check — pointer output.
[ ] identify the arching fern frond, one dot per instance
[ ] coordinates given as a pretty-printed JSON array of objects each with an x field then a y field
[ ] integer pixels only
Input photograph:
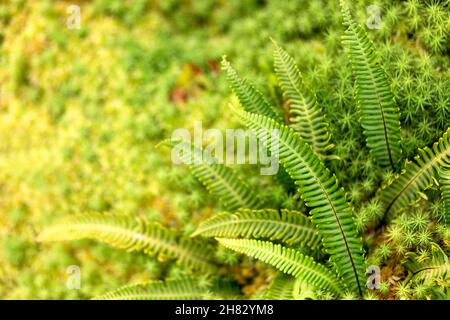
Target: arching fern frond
[
  {"x": 221, "y": 181},
  {"x": 133, "y": 235},
  {"x": 331, "y": 213},
  {"x": 176, "y": 289},
  {"x": 416, "y": 177},
  {"x": 303, "y": 290},
  {"x": 225, "y": 183},
  {"x": 281, "y": 288},
  {"x": 289, "y": 227},
  {"x": 285, "y": 180},
  {"x": 444, "y": 181},
  {"x": 288, "y": 261},
  {"x": 306, "y": 116},
  {"x": 185, "y": 289},
  {"x": 379, "y": 113},
  {"x": 249, "y": 97},
  {"x": 285, "y": 287},
  {"x": 437, "y": 267}
]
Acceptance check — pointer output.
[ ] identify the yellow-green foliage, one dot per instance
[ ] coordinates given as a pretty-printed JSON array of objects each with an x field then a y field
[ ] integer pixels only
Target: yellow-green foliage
[{"x": 82, "y": 110}]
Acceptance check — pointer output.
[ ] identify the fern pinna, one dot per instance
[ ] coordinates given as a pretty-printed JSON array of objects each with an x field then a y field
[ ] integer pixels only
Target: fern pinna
[
  {"x": 417, "y": 176},
  {"x": 175, "y": 289},
  {"x": 317, "y": 251},
  {"x": 184, "y": 289},
  {"x": 307, "y": 117},
  {"x": 134, "y": 235},
  {"x": 281, "y": 288},
  {"x": 319, "y": 189},
  {"x": 290, "y": 227},
  {"x": 379, "y": 114},
  {"x": 432, "y": 270},
  {"x": 445, "y": 189},
  {"x": 249, "y": 97},
  {"x": 288, "y": 261},
  {"x": 221, "y": 181}
]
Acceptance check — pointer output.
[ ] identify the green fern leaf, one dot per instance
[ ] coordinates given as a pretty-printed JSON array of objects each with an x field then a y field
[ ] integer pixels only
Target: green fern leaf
[
  {"x": 177, "y": 289},
  {"x": 437, "y": 267},
  {"x": 417, "y": 176},
  {"x": 281, "y": 288},
  {"x": 379, "y": 113},
  {"x": 221, "y": 181},
  {"x": 289, "y": 227},
  {"x": 303, "y": 290},
  {"x": 285, "y": 180},
  {"x": 307, "y": 117},
  {"x": 285, "y": 287},
  {"x": 185, "y": 289},
  {"x": 249, "y": 97},
  {"x": 445, "y": 191},
  {"x": 288, "y": 261},
  {"x": 331, "y": 213},
  {"x": 224, "y": 183},
  {"x": 133, "y": 235}
]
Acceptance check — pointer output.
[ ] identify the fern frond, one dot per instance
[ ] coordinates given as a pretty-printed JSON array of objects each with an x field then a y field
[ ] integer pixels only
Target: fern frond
[
  {"x": 285, "y": 180},
  {"x": 444, "y": 182},
  {"x": 303, "y": 290},
  {"x": 285, "y": 287},
  {"x": 331, "y": 213},
  {"x": 221, "y": 181},
  {"x": 288, "y": 261},
  {"x": 437, "y": 267},
  {"x": 281, "y": 288},
  {"x": 185, "y": 289},
  {"x": 289, "y": 227},
  {"x": 176, "y": 289},
  {"x": 416, "y": 177},
  {"x": 249, "y": 97},
  {"x": 306, "y": 116},
  {"x": 224, "y": 183},
  {"x": 133, "y": 234},
  {"x": 379, "y": 113}
]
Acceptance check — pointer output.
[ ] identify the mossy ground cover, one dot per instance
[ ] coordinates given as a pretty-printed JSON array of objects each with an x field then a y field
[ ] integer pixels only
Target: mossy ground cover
[{"x": 81, "y": 113}]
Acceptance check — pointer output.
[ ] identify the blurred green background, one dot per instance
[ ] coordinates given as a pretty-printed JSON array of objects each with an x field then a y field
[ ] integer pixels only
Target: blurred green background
[{"x": 81, "y": 111}]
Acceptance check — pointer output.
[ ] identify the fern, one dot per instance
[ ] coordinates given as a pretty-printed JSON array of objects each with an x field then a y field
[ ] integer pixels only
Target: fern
[
  {"x": 253, "y": 101},
  {"x": 307, "y": 117},
  {"x": 133, "y": 235},
  {"x": 285, "y": 287},
  {"x": 416, "y": 177},
  {"x": 288, "y": 261},
  {"x": 299, "y": 245},
  {"x": 285, "y": 180},
  {"x": 281, "y": 288},
  {"x": 437, "y": 267},
  {"x": 176, "y": 289},
  {"x": 221, "y": 181},
  {"x": 224, "y": 183},
  {"x": 379, "y": 114},
  {"x": 303, "y": 290},
  {"x": 289, "y": 227},
  {"x": 249, "y": 97},
  {"x": 185, "y": 289},
  {"x": 445, "y": 190},
  {"x": 331, "y": 213}
]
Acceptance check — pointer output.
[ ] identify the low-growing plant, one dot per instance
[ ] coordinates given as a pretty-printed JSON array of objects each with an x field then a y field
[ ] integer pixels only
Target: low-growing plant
[{"x": 323, "y": 248}]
